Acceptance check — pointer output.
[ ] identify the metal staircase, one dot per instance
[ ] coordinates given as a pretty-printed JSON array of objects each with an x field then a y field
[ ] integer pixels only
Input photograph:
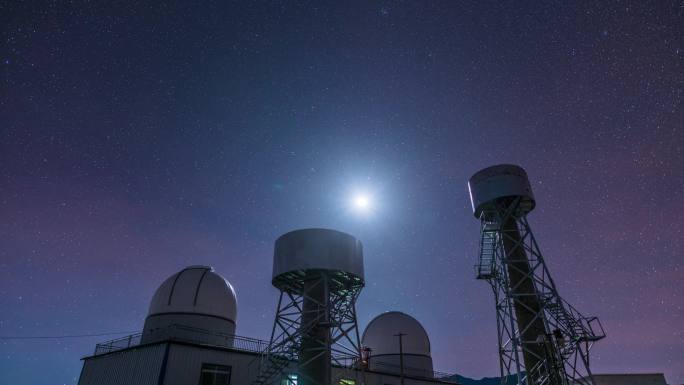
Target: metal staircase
[
  {"x": 488, "y": 244},
  {"x": 273, "y": 364},
  {"x": 574, "y": 325}
]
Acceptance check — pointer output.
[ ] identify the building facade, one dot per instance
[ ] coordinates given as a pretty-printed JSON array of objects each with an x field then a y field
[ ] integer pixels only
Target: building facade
[{"x": 188, "y": 339}]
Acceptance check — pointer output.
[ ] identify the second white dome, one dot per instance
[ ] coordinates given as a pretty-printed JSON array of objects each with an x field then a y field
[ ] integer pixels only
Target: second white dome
[{"x": 381, "y": 335}]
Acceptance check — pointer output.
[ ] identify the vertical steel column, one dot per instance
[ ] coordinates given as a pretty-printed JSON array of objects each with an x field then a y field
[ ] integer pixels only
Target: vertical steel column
[
  {"x": 528, "y": 309},
  {"x": 314, "y": 355}
]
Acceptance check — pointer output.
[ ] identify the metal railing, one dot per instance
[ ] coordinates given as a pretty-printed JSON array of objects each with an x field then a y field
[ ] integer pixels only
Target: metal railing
[
  {"x": 183, "y": 333},
  {"x": 189, "y": 334},
  {"x": 118, "y": 344}
]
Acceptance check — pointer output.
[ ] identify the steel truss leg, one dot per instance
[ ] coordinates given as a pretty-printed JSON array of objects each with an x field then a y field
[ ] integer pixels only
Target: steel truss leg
[{"x": 314, "y": 327}]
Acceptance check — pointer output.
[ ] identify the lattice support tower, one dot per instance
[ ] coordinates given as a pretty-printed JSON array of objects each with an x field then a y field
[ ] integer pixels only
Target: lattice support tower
[
  {"x": 319, "y": 273},
  {"x": 542, "y": 339}
]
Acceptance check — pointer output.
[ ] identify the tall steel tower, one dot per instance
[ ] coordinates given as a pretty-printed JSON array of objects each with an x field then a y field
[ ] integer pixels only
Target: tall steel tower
[
  {"x": 319, "y": 273},
  {"x": 542, "y": 338}
]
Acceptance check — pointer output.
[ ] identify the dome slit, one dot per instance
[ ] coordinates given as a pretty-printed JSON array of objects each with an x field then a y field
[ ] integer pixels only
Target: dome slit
[
  {"x": 174, "y": 286},
  {"x": 199, "y": 284}
]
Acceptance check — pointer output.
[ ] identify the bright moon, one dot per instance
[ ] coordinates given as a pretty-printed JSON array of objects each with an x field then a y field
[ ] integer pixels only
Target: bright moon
[{"x": 361, "y": 202}]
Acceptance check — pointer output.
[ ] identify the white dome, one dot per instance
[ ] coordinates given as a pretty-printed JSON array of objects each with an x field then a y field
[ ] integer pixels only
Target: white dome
[
  {"x": 381, "y": 335},
  {"x": 195, "y": 290}
]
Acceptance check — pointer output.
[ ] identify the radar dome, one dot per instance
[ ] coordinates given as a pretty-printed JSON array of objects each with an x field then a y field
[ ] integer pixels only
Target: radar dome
[
  {"x": 194, "y": 301},
  {"x": 382, "y": 337}
]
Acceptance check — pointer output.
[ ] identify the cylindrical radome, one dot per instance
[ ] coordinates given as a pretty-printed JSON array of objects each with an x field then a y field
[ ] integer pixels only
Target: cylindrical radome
[
  {"x": 315, "y": 263},
  {"x": 492, "y": 192},
  {"x": 489, "y": 185},
  {"x": 331, "y": 251}
]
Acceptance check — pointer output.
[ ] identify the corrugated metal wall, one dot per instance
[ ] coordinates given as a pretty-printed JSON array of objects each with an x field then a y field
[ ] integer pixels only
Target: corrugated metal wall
[
  {"x": 185, "y": 364},
  {"x": 140, "y": 366}
]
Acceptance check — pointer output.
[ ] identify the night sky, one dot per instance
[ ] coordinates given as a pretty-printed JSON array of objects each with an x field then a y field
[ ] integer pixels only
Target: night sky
[{"x": 138, "y": 139}]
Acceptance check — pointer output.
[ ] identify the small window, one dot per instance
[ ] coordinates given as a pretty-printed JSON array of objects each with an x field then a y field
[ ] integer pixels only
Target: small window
[
  {"x": 215, "y": 375},
  {"x": 290, "y": 379}
]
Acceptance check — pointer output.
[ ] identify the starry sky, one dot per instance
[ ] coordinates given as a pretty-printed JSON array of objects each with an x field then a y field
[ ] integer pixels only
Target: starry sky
[{"x": 136, "y": 139}]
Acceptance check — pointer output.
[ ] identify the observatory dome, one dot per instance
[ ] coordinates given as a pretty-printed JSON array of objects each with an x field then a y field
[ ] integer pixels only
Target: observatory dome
[
  {"x": 194, "y": 298},
  {"x": 382, "y": 337},
  {"x": 195, "y": 289}
]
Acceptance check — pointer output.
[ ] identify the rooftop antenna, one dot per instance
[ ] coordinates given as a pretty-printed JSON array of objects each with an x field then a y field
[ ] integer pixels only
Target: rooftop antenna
[
  {"x": 401, "y": 355},
  {"x": 543, "y": 340},
  {"x": 319, "y": 273}
]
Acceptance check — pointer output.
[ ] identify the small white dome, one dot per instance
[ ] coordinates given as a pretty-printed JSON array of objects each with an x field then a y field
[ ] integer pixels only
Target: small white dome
[
  {"x": 381, "y": 335},
  {"x": 195, "y": 290}
]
